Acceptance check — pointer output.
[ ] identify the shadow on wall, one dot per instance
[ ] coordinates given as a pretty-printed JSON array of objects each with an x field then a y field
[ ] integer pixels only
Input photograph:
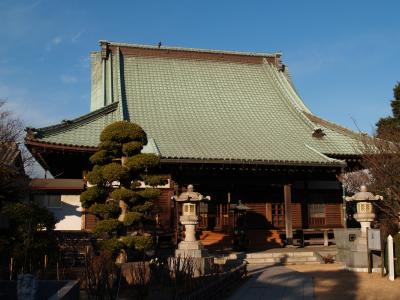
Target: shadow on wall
[
  {"x": 68, "y": 216},
  {"x": 252, "y": 232},
  {"x": 260, "y": 232}
]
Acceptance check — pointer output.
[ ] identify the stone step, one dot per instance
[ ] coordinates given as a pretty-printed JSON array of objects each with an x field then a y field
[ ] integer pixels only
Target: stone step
[{"x": 306, "y": 257}]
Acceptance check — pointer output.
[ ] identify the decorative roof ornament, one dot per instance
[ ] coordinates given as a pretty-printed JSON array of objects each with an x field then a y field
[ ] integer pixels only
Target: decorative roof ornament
[{"x": 318, "y": 133}]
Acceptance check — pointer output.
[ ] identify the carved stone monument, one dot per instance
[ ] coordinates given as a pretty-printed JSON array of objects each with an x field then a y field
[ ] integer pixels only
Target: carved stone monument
[
  {"x": 190, "y": 246},
  {"x": 352, "y": 242}
]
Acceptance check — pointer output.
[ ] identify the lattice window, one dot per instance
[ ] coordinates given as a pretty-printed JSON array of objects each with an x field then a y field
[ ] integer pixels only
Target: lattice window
[
  {"x": 316, "y": 214},
  {"x": 278, "y": 214}
]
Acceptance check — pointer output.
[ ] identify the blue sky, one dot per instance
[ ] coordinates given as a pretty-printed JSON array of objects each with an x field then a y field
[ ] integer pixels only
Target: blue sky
[{"x": 343, "y": 55}]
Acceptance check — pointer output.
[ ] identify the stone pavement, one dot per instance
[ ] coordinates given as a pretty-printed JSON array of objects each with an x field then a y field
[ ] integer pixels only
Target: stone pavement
[{"x": 275, "y": 282}]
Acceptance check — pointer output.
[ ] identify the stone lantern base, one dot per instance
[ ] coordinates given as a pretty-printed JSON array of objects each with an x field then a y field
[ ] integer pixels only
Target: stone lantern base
[
  {"x": 192, "y": 249},
  {"x": 198, "y": 256}
]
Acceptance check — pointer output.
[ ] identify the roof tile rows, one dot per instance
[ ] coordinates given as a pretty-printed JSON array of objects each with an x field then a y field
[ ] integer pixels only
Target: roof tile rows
[{"x": 202, "y": 109}]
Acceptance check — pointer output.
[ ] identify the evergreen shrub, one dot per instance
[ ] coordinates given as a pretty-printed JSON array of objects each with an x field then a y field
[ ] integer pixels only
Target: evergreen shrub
[
  {"x": 114, "y": 172},
  {"x": 138, "y": 242},
  {"x": 132, "y": 148},
  {"x": 132, "y": 218},
  {"x": 124, "y": 195},
  {"x": 142, "y": 162},
  {"x": 93, "y": 194},
  {"x": 101, "y": 157},
  {"x": 149, "y": 193},
  {"x": 123, "y": 132},
  {"x": 108, "y": 226},
  {"x": 155, "y": 180},
  {"x": 108, "y": 210},
  {"x": 95, "y": 176},
  {"x": 112, "y": 246}
]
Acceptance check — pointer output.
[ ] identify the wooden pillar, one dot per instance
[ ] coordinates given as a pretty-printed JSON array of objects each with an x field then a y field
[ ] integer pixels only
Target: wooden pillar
[
  {"x": 326, "y": 238},
  {"x": 287, "y": 191}
]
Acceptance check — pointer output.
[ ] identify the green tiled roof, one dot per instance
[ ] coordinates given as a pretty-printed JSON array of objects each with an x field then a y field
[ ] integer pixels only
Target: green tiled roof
[
  {"x": 83, "y": 131},
  {"x": 210, "y": 110}
]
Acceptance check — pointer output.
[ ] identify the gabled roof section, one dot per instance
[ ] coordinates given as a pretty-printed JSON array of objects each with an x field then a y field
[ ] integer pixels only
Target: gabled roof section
[{"x": 83, "y": 131}]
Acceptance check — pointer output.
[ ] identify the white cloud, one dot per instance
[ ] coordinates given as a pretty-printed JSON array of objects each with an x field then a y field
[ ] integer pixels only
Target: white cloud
[
  {"x": 68, "y": 79},
  {"x": 75, "y": 38},
  {"x": 56, "y": 40}
]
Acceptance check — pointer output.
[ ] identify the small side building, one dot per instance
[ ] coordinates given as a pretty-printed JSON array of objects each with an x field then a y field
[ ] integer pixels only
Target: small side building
[{"x": 62, "y": 198}]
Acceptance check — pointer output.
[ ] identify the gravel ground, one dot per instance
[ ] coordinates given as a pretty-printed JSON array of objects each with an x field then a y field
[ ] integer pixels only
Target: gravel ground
[{"x": 331, "y": 281}]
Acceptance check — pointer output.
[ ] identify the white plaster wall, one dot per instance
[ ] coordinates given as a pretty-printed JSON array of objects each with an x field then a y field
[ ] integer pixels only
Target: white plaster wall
[{"x": 69, "y": 216}]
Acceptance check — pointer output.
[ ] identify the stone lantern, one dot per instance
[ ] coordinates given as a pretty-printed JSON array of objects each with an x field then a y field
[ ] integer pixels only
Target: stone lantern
[
  {"x": 190, "y": 246},
  {"x": 365, "y": 213},
  {"x": 351, "y": 243}
]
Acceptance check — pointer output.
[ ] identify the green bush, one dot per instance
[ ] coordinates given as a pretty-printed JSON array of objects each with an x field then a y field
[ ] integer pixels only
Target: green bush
[
  {"x": 124, "y": 195},
  {"x": 132, "y": 148},
  {"x": 149, "y": 193},
  {"x": 92, "y": 195},
  {"x": 142, "y": 162},
  {"x": 154, "y": 180},
  {"x": 132, "y": 218},
  {"x": 109, "y": 226},
  {"x": 135, "y": 184},
  {"x": 123, "y": 132},
  {"x": 114, "y": 172},
  {"x": 101, "y": 157},
  {"x": 113, "y": 148},
  {"x": 112, "y": 246},
  {"x": 138, "y": 242},
  {"x": 95, "y": 176},
  {"x": 29, "y": 235},
  {"x": 108, "y": 210},
  {"x": 142, "y": 208}
]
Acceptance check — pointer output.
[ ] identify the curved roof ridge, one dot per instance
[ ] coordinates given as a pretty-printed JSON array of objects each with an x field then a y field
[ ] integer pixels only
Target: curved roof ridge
[
  {"x": 324, "y": 156},
  {"x": 333, "y": 126},
  {"x": 284, "y": 91},
  {"x": 293, "y": 93},
  {"x": 69, "y": 124},
  {"x": 172, "y": 48}
]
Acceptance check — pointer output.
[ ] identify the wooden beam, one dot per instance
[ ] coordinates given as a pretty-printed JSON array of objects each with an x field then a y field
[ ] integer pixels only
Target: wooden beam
[{"x": 287, "y": 191}]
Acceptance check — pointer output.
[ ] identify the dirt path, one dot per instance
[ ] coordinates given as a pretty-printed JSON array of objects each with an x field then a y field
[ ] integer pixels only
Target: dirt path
[{"x": 332, "y": 282}]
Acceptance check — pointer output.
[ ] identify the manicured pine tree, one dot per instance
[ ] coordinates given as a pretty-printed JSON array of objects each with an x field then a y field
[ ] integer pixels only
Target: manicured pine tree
[
  {"x": 124, "y": 186},
  {"x": 390, "y": 126}
]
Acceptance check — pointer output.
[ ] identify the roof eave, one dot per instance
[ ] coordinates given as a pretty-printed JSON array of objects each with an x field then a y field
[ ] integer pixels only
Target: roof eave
[{"x": 335, "y": 163}]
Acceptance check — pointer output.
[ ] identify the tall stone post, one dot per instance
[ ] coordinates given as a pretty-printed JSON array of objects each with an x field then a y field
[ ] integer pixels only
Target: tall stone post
[{"x": 390, "y": 257}]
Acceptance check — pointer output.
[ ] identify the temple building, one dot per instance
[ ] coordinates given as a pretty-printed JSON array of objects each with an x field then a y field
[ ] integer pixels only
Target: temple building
[{"x": 230, "y": 123}]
